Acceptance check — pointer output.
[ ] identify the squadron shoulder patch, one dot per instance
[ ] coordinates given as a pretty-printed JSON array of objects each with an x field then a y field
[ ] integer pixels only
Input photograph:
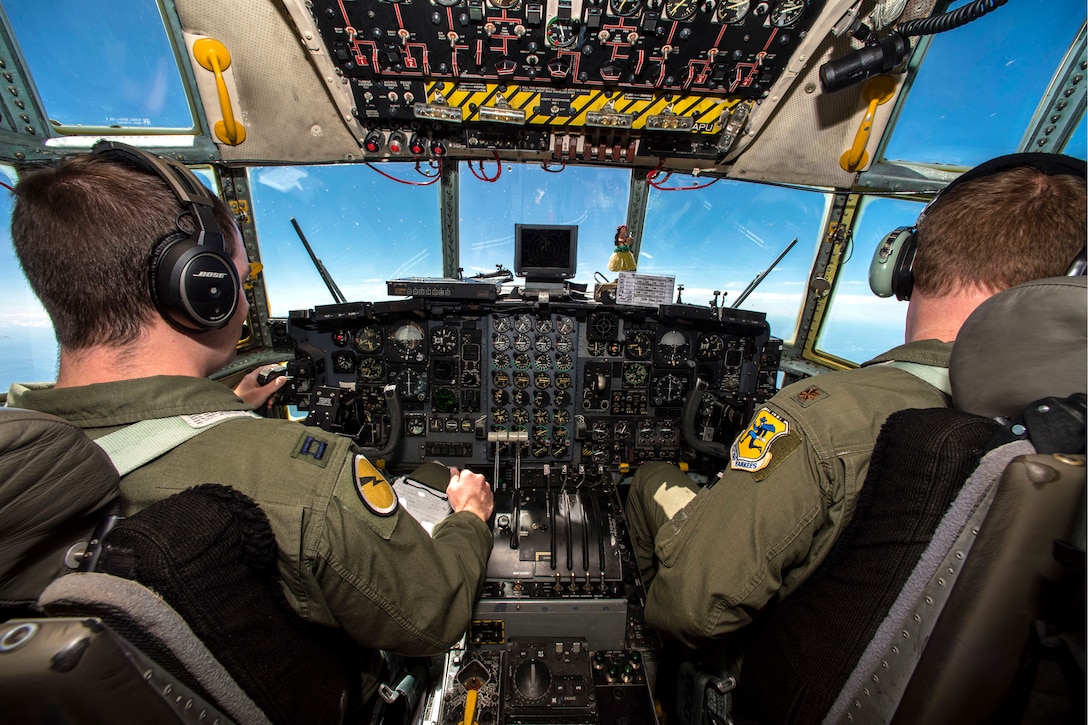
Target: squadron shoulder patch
[
  {"x": 752, "y": 449},
  {"x": 374, "y": 491}
]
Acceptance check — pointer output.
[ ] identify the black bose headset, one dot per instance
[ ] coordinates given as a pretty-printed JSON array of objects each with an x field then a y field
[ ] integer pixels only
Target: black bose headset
[
  {"x": 192, "y": 279},
  {"x": 891, "y": 271}
]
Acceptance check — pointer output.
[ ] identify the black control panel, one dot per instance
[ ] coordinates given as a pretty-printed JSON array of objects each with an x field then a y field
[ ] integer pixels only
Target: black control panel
[
  {"x": 574, "y": 384},
  {"x": 601, "y": 79}
]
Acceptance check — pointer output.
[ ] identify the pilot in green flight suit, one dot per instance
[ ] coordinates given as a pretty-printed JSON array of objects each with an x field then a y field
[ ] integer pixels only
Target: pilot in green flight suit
[
  {"x": 347, "y": 560},
  {"x": 714, "y": 557},
  {"x": 722, "y": 552}
]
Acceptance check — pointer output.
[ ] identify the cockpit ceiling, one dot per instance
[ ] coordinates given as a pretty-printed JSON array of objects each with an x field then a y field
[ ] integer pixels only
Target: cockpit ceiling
[{"x": 726, "y": 87}]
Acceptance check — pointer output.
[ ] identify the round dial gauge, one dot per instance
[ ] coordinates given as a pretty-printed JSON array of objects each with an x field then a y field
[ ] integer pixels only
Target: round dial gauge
[
  {"x": 445, "y": 400},
  {"x": 681, "y": 9},
  {"x": 599, "y": 431},
  {"x": 500, "y": 378},
  {"x": 624, "y": 8},
  {"x": 500, "y": 396},
  {"x": 500, "y": 416},
  {"x": 542, "y": 344},
  {"x": 561, "y": 417},
  {"x": 520, "y": 416},
  {"x": 344, "y": 362},
  {"x": 407, "y": 341},
  {"x": 623, "y": 430},
  {"x": 595, "y": 348},
  {"x": 673, "y": 347},
  {"x": 371, "y": 369},
  {"x": 542, "y": 362},
  {"x": 500, "y": 342},
  {"x": 543, "y": 325},
  {"x": 563, "y": 381},
  {"x": 564, "y": 362},
  {"x": 564, "y": 325},
  {"x": 415, "y": 425},
  {"x": 368, "y": 339},
  {"x": 412, "y": 384},
  {"x": 635, "y": 375},
  {"x": 522, "y": 379},
  {"x": 541, "y": 416},
  {"x": 668, "y": 389},
  {"x": 541, "y": 398},
  {"x": 522, "y": 343},
  {"x": 787, "y": 12},
  {"x": 445, "y": 371},
  {"x": 540, "y": 448},
  {"x": 542, "y": 381},
  {"x": 602, "y": 326},
  {"x": 561, "y": 34},
  {"x": 638, "y": 345},
  {"x": 520, "y": 397},
  {"x": 444, "y": 340},
  {"x": 503, "y": 324},
  {"x": 523, "y": 323},
  {"x": 500, "y": 360},
  {"x": 562, "y": 398},
  {"x": 710, "y": 347},
  {"x": 522, "y": 362},
  {"x": 564, "y": 344},
  {"x": 732, "y": 11}
]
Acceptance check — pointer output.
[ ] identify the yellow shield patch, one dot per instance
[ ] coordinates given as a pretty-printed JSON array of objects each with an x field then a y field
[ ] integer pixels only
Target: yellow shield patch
[
  {"x": 374, "y": 491},
  {"x": 752, "y": 449}
]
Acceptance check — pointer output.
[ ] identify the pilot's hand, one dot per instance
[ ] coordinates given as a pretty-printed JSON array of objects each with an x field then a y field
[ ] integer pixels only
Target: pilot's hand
[
  {"x": 258, "y": 395},
  {"x": 469, "y": 491}
]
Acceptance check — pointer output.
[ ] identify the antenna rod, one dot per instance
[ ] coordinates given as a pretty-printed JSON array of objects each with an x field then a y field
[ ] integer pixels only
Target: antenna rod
[
  {"x": 337, "y": 295},
  {"x": 759, "y": 277}
]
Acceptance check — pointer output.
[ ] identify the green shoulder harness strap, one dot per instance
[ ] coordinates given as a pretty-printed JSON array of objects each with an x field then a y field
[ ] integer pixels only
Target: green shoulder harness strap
[{"x": 140, "y": 443}]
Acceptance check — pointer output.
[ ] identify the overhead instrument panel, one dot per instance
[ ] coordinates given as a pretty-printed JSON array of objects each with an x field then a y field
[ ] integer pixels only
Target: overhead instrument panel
[{"x": 469, "y": 72}]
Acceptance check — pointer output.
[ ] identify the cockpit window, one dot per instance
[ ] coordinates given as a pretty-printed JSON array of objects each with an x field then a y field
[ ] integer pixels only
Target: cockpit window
[
  {"x": 120, "y": 61},
  {"x": 722, "y": 236},
  {"x": 366, "y": 225},
  {"x": 858, "y": 325},
  {"x": 28, "y": 349},
  {"x": 980, "y": 85},
  {"x": 493, "y": 198}
]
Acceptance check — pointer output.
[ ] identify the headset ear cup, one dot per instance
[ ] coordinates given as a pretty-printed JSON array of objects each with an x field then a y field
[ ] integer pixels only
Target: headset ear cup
[
  {"x": 193, "y": 284},
  {"x": 890, "y": 271}
]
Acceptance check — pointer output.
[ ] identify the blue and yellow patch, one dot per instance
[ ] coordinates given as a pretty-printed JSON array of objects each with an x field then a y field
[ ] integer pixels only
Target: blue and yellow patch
[
  {"x": 374, "y": 491},
  {"x": 752, "y": 449}
]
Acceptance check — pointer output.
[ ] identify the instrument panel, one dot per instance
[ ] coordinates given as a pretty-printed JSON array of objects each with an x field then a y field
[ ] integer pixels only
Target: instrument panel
[
  {"x": 574, "y": 383},
  {"x": 602, "y": 79}
]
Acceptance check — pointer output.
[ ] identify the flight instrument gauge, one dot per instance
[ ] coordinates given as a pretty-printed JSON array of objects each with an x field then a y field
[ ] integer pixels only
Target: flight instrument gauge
[
  {"x": 564, "y": 362},
  {"x": 504, "y": 4},
  {"x": 787, "y": 12},
  {"x": 522, "y": 379},
  {"x": 542, "y": 344},
  {"x": 412, "y": 384},
  {"x": 624, "y": 8},
  {"x": 681, "y": 9},
  {"x": 673, "y": 348},
  {"x": 710, "y": 347},
  {"x": 562, "y": 398},
  {"x": 445, "y": 400},
  {"x": 668, "y": 389},
  {"x": 368, "y": 339},
  {"x": 520, "y": 416},
  {"x": 503, "y": 324},
  {"x": 500, "y": 360},
  {"x": 371, "y": 370},
  {"x": 523, "y": 323},
  {"x": 499, "y": 416},
  {"x": 732, "y": 11},
  {"x": 500, "y": 342},
  {"x": 522, "y": 343},
  {"x": 444, "y": 340},
  {"x": 408, "y": 341},
  {"x": 638, "y": 345},
  {"x": 564, "y": 325},
  {"x": 602, "y": 326},
  {"x": 564, "y": 344},
  {"x": 500, "y": 378},
  {"x": 500, "y": 397},
  {"x": 635, "y": 375},
  {"x": 543, "y": 325}
]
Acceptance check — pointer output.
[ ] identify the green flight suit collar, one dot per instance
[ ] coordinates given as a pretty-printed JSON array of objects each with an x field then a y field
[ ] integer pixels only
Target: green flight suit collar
[
  {"x": 127, "y": 401},
  {"x": 924, "y": 352}
]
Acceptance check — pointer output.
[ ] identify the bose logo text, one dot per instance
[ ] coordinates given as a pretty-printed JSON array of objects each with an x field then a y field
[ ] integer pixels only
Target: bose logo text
[{"x": 213, "y": 275}]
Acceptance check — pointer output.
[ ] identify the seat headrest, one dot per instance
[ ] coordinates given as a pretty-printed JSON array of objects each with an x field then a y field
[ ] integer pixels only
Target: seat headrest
[
  {"x": 1023, "y": 344},
  {"x": 52, "y": 477}
]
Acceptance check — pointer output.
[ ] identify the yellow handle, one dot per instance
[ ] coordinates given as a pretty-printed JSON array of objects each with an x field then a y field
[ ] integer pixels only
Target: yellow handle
[
  {"x": 214, "y": 56},
  {"x": 878, "y": 91},
  {"x": 470, "y": 708}
]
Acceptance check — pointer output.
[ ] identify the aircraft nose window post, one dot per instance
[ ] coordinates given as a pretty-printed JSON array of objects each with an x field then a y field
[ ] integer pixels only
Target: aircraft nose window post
[{"x": 509, "y": 362}]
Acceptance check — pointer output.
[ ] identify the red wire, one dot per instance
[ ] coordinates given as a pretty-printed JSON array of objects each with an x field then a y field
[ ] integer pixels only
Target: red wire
[
  {"x": 652, "y": 175},
  {"x": 481, "y": 175}
]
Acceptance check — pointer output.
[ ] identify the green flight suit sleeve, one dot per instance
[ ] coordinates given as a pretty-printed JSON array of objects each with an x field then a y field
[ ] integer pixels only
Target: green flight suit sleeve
[
  {"x": 738, "y": 544},
  {"x": 390, "y": 585}
]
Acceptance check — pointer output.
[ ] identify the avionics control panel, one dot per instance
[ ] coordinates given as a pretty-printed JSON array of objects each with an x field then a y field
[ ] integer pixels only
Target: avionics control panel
[{"x": 576, "y": 384}]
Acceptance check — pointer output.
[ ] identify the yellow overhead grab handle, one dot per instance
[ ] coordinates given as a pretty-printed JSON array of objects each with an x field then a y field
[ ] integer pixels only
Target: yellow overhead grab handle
[
  {"x": 878, "y": 91},
  {"x": 214, "y": 56}
]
